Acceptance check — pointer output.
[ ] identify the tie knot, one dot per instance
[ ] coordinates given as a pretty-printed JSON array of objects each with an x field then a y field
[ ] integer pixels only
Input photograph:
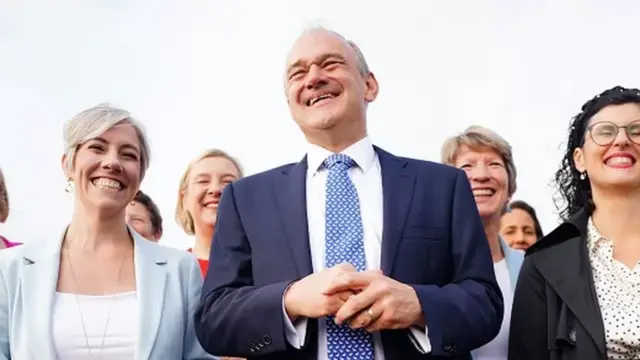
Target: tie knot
[{"x": 339, "y": 161}]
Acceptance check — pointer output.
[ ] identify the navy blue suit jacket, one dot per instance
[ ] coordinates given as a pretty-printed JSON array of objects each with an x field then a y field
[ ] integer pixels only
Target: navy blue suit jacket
[{"x": 433, "y": 239}]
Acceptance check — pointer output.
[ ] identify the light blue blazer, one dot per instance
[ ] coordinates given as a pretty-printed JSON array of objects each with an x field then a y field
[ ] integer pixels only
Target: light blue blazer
[
  {"x": 168, "y": 283},
  {"x": 514, "y": 259}
]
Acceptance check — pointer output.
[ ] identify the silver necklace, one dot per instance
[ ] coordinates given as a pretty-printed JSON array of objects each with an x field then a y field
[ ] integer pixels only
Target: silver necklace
[{"x": 112, "y": 301}]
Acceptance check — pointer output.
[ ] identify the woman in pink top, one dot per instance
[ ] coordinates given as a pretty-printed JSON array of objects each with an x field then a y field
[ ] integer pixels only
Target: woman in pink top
[{"x": 4, "y": 212}]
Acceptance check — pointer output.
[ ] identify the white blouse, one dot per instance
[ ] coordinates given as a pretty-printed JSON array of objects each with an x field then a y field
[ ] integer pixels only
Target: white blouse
[
  {"x": 497, "y": 349},
  {"x": 119, "y": 334},
  {"x": 618, "y": 292}
]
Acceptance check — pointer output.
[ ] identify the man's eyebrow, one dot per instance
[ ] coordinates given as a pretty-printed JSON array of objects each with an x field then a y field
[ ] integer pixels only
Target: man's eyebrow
[{"x": 319, "y": 59}]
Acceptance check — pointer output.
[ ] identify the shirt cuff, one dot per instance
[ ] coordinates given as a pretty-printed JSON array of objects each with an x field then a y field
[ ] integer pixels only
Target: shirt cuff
[
  {"x": 296, "y": 334},
  {"x": 420, "y": 339}
]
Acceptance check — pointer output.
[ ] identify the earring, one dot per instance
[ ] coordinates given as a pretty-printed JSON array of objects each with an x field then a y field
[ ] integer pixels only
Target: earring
[
  {"x": 507, "y": 208},
  {"x": 69, "y": 187},
  {"x": 583, "y": 175}
]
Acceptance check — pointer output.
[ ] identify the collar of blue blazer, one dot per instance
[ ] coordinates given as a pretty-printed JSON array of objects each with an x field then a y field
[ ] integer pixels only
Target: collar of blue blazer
[
  {"x": 40, "y": 277},
  {"x": 514, "y": 259}
]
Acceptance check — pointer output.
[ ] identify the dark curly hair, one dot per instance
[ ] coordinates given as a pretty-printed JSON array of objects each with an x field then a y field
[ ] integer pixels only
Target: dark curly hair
[{"x": 574, "y": 192}]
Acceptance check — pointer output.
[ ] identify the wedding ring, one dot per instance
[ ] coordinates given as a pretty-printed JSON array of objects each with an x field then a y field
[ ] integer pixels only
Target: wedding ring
[{"x": 371, "y": 314}]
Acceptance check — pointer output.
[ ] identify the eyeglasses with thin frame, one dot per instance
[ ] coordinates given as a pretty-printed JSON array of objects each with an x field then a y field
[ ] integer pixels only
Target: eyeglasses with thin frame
[{"x": 603, "y": 133}]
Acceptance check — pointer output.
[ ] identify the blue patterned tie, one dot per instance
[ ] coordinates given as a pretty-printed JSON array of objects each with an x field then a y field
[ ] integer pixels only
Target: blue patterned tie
[{"x": 344, "y": 243}]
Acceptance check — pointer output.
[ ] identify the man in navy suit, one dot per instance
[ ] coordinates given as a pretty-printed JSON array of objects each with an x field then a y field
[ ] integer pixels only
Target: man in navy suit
[{"x": 353, "y": 253}]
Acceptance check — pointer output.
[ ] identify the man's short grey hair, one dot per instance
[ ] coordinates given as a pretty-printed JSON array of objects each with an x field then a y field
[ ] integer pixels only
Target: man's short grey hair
[
  {"x": 363, "y": 66},
  {"x": 93, "y": 122},
  {"x": 479, "y": 138}
]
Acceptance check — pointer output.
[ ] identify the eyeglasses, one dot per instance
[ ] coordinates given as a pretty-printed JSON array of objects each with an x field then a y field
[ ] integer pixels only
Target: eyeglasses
[{"x": 604, "y": 133}]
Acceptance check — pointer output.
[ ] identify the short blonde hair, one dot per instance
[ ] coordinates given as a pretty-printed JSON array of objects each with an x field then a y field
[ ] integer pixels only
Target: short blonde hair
[
  {"x": 184, "y": 219},
  {"x": 4, "y": 199},
  {"x": 93, "y": 122},
  {"x": 477, "y": 138}
]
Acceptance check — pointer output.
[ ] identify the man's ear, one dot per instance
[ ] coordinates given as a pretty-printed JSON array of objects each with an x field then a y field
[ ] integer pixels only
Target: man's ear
[{"x": 372, "y": 88}]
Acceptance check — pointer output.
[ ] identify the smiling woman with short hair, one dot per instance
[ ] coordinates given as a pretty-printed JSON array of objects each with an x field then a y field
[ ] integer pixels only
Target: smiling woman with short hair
[
  {"x": 97, "y": 289},
  {"x": 487, "y": 159}
]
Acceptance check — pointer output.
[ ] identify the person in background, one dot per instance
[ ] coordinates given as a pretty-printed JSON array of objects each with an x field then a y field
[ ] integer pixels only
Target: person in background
[
  {"x": 144, "y": 217},
  {"x": 577, "y": 296},
  {"x": 519, "y": 225},
  {"x": 199, "y": 193},
  {"x": 487, "y": 160},
  {"x": 292, "y": 244},
  {"x": 4, "y": 212},
  {"x": 96, "y": 289}
]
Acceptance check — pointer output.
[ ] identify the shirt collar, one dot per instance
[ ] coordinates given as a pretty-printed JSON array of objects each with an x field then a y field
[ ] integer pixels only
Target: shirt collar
[
  {"x": 361, "y": 152},
  {"x": 594, "y": 238}
]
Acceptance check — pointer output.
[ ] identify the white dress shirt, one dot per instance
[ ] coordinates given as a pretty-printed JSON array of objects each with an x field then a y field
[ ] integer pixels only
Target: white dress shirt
[{"x": 367, "y": 178}]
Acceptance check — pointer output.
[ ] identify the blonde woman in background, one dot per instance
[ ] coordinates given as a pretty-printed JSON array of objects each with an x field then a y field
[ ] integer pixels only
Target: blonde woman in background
[
  {"x": 200, "y": 190},
  {"x": 4, "y": 212},
  {"x": 97, "y": 289},
  {"x": 487, "y": 159}
]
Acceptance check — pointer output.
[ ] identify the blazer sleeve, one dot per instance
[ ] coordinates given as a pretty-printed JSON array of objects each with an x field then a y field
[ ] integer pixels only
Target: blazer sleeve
[
  {"x": 192, "y": 350},
  {"x": 528, "y": 328},
  {"x": 4, "y": 320},
  {"x": 466, "y": 313},
  {"x": 235, "y": 317}
]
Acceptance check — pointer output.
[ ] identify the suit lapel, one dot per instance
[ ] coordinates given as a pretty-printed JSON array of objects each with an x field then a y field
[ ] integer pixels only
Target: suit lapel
[
  {"x": 39, "y": 282},
  {"x": 150, "y": 283},
  {"x": 398, "y": 182},
  {"x": 567, "y": 269},
  {"x": 290, "y": 192}
]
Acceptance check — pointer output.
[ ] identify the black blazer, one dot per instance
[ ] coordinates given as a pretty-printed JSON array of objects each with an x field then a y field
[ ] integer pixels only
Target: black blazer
[{"x": 555, "y": 312}]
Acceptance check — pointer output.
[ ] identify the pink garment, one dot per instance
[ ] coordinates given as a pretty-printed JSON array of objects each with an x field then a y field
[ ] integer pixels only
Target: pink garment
[{"x": 8, "y": 243}]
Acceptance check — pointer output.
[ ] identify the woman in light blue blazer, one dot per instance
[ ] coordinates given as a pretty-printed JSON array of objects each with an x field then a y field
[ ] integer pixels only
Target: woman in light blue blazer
[
  {"x": 96, "y": 289},
  {"x": 487, "y": 159}
]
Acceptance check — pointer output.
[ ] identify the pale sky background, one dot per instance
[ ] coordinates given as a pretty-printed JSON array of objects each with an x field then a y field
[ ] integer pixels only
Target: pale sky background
[{"x": 208, "y": 73}]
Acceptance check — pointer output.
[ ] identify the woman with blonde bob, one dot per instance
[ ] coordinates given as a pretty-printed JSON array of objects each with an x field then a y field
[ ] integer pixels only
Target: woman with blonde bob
[
  {"x": 487, "y": 159},
  {"x": 97, "y": 289},
  {"x": 200, "y": 189}
]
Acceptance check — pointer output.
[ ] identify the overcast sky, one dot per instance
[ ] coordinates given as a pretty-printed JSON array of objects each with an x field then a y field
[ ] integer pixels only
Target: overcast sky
[{"x": 203, "y": 74}]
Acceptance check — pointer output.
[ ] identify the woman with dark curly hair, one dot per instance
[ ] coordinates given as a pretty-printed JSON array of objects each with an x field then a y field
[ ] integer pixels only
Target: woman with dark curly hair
[{"x": 578, "y": 294}]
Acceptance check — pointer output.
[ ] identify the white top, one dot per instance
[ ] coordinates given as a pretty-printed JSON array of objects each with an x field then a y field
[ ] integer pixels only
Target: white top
[
  {"x": 618, "y": 296},
  {"x": 120, "y": 337},
  {"x": 367, "y": 179},
  {"x": 497, "y": 349}
]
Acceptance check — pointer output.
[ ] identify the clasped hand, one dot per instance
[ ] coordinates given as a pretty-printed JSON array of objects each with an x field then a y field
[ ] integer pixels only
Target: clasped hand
[{"x": 367, "y": 299}]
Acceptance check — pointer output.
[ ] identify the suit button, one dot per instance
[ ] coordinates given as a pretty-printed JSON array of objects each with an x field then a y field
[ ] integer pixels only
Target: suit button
[
  {"x": 572, "y": 335},
  {"x": 266, "y": 339},
  {"x": 449, "y": 348}
]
